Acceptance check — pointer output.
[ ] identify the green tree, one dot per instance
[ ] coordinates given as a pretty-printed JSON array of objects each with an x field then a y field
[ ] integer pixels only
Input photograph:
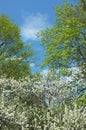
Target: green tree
[
  {"x": 82, "y": 100},
  {"x": 65, "y": 41},
  {"x": 14, "y": 55}
]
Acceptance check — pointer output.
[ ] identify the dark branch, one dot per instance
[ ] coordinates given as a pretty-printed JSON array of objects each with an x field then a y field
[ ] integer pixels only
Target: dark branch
[{"x": 2, "y": 44}]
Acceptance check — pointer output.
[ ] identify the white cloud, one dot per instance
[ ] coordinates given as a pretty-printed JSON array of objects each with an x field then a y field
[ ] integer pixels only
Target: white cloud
[
  {"x": 32, "y": 64},
  {"x": 33, "y": 24}
]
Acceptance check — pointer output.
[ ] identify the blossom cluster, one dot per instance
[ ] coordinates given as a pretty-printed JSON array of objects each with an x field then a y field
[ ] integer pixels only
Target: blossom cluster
[{"x": 39, "y": 103}]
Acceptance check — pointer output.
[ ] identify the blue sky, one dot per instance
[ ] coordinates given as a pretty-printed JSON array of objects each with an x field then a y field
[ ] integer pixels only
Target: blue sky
[{"x": 31, "y": 16}]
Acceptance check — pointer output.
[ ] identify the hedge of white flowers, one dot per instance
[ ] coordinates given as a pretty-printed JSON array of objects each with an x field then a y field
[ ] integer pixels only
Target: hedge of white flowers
[{"x": 39, "y": 104}]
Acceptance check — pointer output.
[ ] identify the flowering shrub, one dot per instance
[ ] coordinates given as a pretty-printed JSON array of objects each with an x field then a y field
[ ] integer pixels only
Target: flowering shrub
[
  {"x": 74, "y": 119},
  {"x": 39, "y": 104}
]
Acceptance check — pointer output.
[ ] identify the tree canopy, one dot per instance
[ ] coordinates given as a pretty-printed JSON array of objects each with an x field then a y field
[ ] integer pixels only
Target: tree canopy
[
  {"x": 42, "y": 101},
  {"x": 14, "y": 54},
  {"x": 65, "y": 41}
]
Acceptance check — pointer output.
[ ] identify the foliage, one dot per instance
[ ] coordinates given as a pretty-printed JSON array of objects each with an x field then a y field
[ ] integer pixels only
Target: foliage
[
  {"x": 65, "y": 41},
  {"x": 42, "y": 103},
  {"x": 14, "y": 55},
  {"x": 82, "y": 100}
]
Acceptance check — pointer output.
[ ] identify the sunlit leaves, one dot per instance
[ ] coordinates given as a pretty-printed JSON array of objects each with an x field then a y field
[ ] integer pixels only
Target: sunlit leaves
[
  {"x": 64, "y": 42},
  {"x": 14, "y": 55}
]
